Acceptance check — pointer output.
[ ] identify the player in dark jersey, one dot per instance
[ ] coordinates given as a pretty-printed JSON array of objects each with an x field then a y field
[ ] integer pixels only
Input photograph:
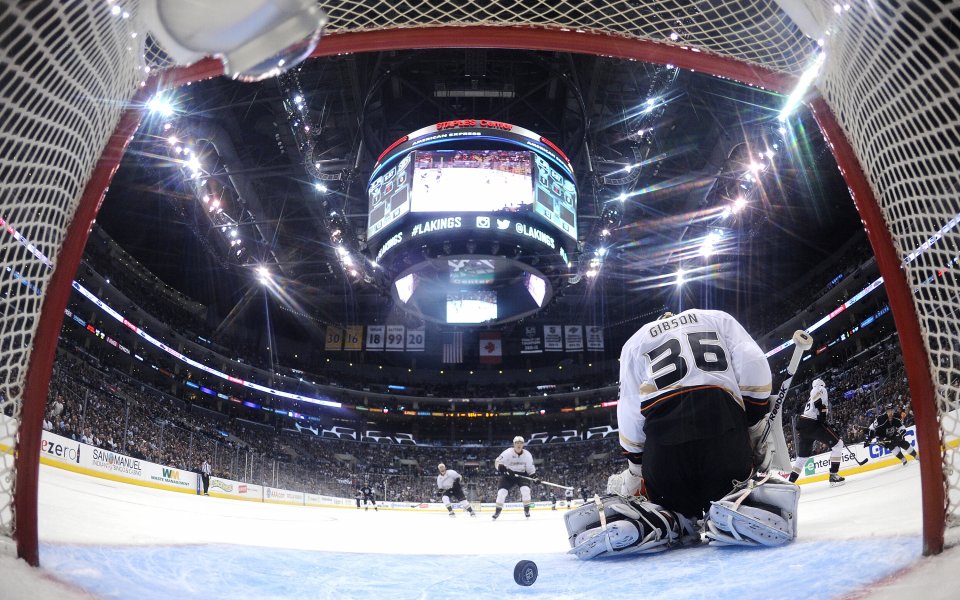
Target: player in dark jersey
[
  {"x": 367, "y": 492},
  {"x": 887, "y": 430}
]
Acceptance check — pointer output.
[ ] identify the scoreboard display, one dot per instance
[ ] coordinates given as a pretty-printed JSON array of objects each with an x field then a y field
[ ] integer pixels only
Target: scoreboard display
[{"x": 474, "y": 221}]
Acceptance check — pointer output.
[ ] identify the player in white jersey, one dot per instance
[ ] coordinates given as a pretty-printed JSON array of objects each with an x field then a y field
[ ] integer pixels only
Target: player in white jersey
[
  {"x": 449, "y": 486},
  {"x": 515, "y": 465},
  {"x": 812, "y": 426},
  {"x": 694, "y": 391}
]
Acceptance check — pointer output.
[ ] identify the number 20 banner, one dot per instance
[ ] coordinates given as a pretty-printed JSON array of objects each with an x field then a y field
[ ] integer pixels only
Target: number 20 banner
[{"x": 416, "y": 340}]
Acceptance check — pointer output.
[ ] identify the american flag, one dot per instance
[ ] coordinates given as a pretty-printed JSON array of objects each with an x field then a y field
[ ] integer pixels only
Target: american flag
[{"x": 453, "y": 347}]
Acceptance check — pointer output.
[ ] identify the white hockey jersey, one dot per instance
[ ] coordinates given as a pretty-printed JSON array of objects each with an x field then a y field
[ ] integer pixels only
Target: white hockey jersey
[
  {"x": 693, "y": 348},
  {"x": 446, "y": 481},
  {"x": 818, "y": 406},
  {"x": 518, "y": 463}
]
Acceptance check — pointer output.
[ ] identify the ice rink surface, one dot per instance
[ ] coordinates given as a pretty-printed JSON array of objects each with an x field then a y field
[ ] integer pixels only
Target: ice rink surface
[{"x": 112, "y": 540}]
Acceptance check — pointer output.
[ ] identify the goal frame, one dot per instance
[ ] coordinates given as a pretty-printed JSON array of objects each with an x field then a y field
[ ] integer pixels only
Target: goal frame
[{"x": 902, "y": 305}]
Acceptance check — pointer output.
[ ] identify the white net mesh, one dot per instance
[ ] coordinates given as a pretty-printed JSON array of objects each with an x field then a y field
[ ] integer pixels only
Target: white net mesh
[
  {"x": 892, "y": 79},
  {"x": 67, "y": 68}
]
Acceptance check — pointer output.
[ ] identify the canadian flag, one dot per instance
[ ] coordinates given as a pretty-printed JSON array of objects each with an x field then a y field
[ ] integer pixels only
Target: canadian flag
[{"x": 491, "y": 349}]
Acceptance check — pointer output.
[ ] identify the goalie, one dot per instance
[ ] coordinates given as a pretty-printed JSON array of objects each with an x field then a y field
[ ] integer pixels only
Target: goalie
[
  {"x": 694, "y": 391},
  {"x": 887, "y": 430}
]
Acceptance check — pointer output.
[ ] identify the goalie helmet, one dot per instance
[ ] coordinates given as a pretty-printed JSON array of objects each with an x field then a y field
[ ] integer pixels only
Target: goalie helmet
[{"x": 665, "y": 315}]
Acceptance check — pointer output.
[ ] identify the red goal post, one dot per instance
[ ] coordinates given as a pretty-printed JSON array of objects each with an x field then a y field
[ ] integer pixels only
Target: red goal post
[{"x": 74, "y": 80}]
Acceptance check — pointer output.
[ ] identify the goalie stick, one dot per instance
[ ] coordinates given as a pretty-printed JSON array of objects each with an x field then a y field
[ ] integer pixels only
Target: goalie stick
[{"x": 802, "y": 342}]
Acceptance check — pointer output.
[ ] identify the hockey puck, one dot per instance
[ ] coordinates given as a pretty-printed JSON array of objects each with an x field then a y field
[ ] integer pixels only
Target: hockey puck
[{"x": 525, "y": 573}]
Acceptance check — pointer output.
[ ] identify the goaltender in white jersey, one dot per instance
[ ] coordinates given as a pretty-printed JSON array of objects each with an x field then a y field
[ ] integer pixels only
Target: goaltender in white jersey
[
  {"x": 694, "y": 394},
  {"x": 694, "y": 348}
]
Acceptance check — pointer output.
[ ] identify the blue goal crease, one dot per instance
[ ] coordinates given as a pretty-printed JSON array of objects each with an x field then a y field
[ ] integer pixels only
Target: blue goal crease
[{"x": 802, "y": 570}]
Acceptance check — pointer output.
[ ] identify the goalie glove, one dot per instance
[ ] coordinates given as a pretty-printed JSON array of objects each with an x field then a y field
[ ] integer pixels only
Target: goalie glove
[{"x": 629, "y": 483}]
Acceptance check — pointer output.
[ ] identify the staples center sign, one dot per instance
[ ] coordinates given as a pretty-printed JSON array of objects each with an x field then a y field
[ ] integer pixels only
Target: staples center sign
[{"x": 446, "y": 133}]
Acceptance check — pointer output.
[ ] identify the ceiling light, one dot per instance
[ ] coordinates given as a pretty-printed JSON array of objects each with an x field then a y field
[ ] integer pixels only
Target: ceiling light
[{"x": 160, "y": 105}]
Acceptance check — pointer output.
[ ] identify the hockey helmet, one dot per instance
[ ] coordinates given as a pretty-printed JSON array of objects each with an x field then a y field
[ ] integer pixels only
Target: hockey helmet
[
  {"x": 818, "y": 383},
  {"x": 442, "y": 467},
  {"x": 519, "y": 438}
]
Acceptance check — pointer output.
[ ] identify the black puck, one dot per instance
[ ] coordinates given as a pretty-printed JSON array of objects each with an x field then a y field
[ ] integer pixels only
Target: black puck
[{"x": 525, "y": 573}]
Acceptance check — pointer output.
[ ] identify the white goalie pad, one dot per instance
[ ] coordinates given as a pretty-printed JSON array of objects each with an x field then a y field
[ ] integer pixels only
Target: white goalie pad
[
  {"x": 760, "y": 512},
  {"x": 629, "y": 526}
]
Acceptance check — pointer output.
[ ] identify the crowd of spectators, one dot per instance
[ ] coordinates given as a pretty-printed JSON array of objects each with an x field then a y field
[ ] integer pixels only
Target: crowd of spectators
[
  {"x": 92, "y": 402},
  {"x": 95, "y": 403}
]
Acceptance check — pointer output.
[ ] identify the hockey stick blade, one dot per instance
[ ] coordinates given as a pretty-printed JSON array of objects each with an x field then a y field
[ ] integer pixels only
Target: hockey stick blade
[{"x": 556, "y": 485}]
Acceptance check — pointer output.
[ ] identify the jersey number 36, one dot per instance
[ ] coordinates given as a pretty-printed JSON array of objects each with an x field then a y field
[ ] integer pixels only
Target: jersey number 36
[{"x": 668, "y": 365}]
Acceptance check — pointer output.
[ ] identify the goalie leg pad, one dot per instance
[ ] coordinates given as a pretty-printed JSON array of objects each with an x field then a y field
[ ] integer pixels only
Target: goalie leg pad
[
  {"x": 760, "y": 512},
  {"x": 632, "y": 526}
]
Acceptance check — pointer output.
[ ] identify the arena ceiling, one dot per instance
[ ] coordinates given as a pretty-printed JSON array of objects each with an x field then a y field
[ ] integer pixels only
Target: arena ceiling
[{"x": 661, "y": 156}]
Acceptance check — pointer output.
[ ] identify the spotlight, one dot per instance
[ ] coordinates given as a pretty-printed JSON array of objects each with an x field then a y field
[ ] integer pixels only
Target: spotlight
[{"x": 160, "y": 105}]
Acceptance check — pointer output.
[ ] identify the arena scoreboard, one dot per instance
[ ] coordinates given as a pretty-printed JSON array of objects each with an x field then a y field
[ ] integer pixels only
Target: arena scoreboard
[{"x": 474, "y": 220}]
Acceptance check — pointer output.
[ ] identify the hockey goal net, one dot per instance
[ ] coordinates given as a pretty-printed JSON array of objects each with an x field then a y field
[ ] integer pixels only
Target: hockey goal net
[{"x": 73, "y": 77}]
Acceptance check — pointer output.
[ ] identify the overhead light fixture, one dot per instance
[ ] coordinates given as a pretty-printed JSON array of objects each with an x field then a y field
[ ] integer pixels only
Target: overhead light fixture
[{"x": 160, "y": 105}]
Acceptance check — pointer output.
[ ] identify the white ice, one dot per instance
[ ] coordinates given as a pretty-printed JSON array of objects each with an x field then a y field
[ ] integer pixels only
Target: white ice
[{"x": 113, "y": 540}]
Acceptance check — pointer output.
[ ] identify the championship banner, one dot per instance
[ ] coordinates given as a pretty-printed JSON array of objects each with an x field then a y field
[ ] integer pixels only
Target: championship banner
[
  {"x": 594, "y": 338},
  {"x": 491, "y": 348},
  {"x": 352, "y": 337},
  {"x": 532, "y": 342},
  {"x": 376, "y": 336},
  {"x": 395, "y": 338},
  {"x": 553, "y": 338},
  {"x": 334, "y": 339},
  {"x": 574, "y": 337},
  {"x": 416, "y": 339}
]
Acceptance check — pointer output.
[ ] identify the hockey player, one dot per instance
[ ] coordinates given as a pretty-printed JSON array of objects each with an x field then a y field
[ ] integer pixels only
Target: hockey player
[
  {"x": 358, "y": 496},
  {"x": 568, "y": 496},
  {"x": 449, "y": 486},
  {"x": 694, "y": 391},
  {"x": 812, "y": 426},
  {"x": 887, "y": 430},
  {"x": 512, "y": 464},
  {"x": 367, "y": 492}
]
